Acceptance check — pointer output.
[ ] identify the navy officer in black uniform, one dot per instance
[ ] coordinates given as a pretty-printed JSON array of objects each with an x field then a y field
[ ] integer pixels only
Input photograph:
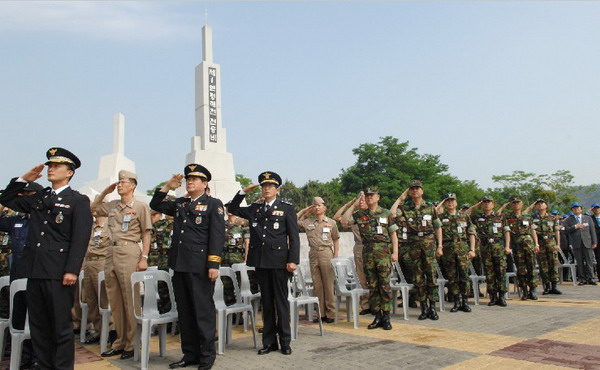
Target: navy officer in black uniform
[
  {"x": 275, "y": 252},
  {"x": 195, "y": 255},
  {"x": 59, "y": 231}
]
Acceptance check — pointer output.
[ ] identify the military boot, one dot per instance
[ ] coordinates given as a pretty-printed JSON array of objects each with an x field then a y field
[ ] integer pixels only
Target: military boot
[
  {"x": 432, "y": 312},
  {"x": 493, "y": 299},
  {"x": 424, "y": 311},
  {"x": 524, "y": 294},
  {"x": 456, "y": 304},
  {"x": 385, "y": 321},
  {"x": 464, "y": 307},
  {"x": 377, "y": 321},
  {"x": 501, "y": 300},
  {"x": 532, "y": 295},
  {"x": 554, "y": 290},
  {"x": 546, "y": 289}
]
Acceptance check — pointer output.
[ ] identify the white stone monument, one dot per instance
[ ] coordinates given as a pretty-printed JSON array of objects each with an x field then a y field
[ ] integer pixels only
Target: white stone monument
[
  {"x": 209, "y": 146},
  {"x": 111, "y": 164}
]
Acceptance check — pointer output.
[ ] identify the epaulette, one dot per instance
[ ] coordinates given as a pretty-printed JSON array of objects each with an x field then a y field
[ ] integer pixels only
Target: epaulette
[{"x": 286, "y": 202}]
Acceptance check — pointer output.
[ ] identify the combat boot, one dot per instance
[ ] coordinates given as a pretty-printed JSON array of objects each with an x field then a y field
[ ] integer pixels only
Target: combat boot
[
  {"x": 424, "y": 311},
  {"x": 493, "y": 299},
  {"x": 554, "y": 290},
  {"x": 501, "y": 300},
  {"x": 464, "y": 307},
  {"x": 546, "y": 289},
  {"x": 432, "y": 312},
  {"x": 456, "y": 304},
  {"x": 376, "y": 322},
  {"x": 385, "y": 321},
  {"x": 532, "y": 295},
  {"x": 524, "y": 294}
]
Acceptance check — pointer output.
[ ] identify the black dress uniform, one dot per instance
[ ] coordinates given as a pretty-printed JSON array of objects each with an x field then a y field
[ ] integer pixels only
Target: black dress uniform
[
  {"x": 274, "y": 242},
  {"x": 196, "y": 246},
  {"x": 59, "y": 232}
]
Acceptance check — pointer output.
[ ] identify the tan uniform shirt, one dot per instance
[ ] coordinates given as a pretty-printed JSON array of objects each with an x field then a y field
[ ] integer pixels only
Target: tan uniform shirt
[
  {"x": 99, "y": 241},
  {"x": 320, "y": 234},
  {"x": 126, "y": 223}
]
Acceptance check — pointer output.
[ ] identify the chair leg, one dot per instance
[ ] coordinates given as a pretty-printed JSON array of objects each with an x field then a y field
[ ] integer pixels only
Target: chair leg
[
  {"x": 253, "y": 318},
  {"x": 84, "y": 317},
  {"x": 337, "y": 308},
  {"x": 104, "y": 332},
  {"x": 162, "y": 332},
  {"x": 441, "y": 297},
  {"x": 15, "y": 351},
  {"x": 573, "y": 275},
  {"x": 136, "y": 347},
  {"x": 174, "y": 328},
  {"x": 348, "y": 308},
  {"x": 394, "y": 301},
  {"x": 293, "y": 318},
  {"x": 405, "y": 298},
  {"x": 320, "y": 318},
  {"x": 221, "y": 332},
  {"x": 145, "y": 344},
  {"x": 229, "y": 328},
  {"x": 2, "y": 342},
  {"x": 355, "y": 303},
  {"x": 475, "y": 284}
]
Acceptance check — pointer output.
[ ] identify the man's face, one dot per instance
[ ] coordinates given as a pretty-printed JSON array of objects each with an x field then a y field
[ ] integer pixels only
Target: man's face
[
  {"x": 487, "y": 205},
  {"x": 125, "y": 187},
  {"x": 320, "y": 209},
  {"x": 541, "y": 206},
  {"x": 59, "y": 172},
  {"x": 516, "y": 206},
  {"x": 371, "y": 199},
  {"x": 195, "y": 185},
  {"x": 450, "y": 204},
  {"x": 269, "y": 191},
  {"x": 577, "y": 210},
  {"x": 596, "y": 211},
  {"x": 362, "y": 203},
  {"x": 415, "y": 192}
]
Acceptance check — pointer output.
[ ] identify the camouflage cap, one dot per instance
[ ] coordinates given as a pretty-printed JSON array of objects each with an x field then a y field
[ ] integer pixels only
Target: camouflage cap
[
  {"x": 318, "y": 200},
  {"x": 540, "y": 200},
  {"x": 487, "y": 198},
  {"x": 450, "y": 196},
  {"x": 465, "y": 206},
  {"x": 371, "y": 190},
  {"x": 514, "y": 199},
  {"x": 416, "y": 184}
]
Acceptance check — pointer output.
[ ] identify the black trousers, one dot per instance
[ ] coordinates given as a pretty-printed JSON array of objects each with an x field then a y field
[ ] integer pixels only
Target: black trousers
[
  {"x": 49, "y": 303},
  {"x": 584, "y": 273},
  {"x": 276, "y": 307},
  {"x": 197, "y": 319}
]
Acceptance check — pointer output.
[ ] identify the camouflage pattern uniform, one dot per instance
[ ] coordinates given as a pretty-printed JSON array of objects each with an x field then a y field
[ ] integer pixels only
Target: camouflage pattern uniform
[
  {"x": 490, "y": 230},
  {"x": 523, "y": 247},
  {"x": 404, "y": 256},
  {"x": 233, "y": 252},
  {"x": 160, "y": 243},
  {"x": 421, "y": 247},
  {"x": 546, "y": 228},
  {"x": 456, "y": 230},
  {"x": 377, "y": 255}
]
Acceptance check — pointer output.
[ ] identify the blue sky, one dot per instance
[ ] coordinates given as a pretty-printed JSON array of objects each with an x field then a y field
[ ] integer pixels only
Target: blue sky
[{"x": 491, "y": 87}]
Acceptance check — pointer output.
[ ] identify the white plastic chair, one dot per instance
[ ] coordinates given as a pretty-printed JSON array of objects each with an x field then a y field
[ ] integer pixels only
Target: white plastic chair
[
  {"x": 303, "y": 299},
  {"x": 347, "y": 286},
  {"x": 441, "y": 283},
  {"x": 572, "y": 266},
  {"x": 149, "y": 315},
  {"x": 18, "y": 335},
  {"x": 245, "y": 290},
  {"x": 508, "y": 275},
  {"x": 84, "y": 308},
  {"x": 475, "y": 279},
  {"x": 400, "y": 284},
  {"x": 4, "y": 283},
  {"x": 224, "y": 312},
  {"x": 105, "y": 312}
]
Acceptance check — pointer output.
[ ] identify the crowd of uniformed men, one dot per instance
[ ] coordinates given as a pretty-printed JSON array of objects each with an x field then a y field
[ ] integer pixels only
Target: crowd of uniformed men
[{"x": 50, "y": 234}]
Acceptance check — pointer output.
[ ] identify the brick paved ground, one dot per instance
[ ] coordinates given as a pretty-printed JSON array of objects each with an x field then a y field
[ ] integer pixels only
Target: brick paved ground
[{"x": 556, "y": 331}]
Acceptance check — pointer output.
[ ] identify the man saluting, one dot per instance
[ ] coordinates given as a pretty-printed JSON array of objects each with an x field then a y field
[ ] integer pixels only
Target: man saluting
[{"x": 275, "y": 252}]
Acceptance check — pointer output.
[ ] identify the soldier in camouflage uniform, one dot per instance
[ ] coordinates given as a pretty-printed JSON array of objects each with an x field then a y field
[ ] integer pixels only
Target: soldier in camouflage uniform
[
  {"x": 524, "y": 242},
  {"x": 403, "y": 255},
  {"x": 495, "y": 245},
  {"x": 458, "y": 235},
  {"x": 237, "y": 239},
  {"x": 548, "y": 232},
  {"x": 378, "y": 255},
  {"x": 160, "y": 242},
  {"x": 424, "y": 232}
]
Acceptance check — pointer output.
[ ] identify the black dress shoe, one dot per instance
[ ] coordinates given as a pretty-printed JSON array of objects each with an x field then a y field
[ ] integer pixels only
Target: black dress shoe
[
  {"x": 112, "y": 352},
  {"x": 268, "y": 349},
  {"x": 205, "y": 367},
  {"x": 366, "y": 311},
  {"x": 182, "y": 363},
  {"x": 126, "y": 354},
  {"x": 35, "y": 366},
  {"x": 92, "y": 340},
  {"x": 592, "y": 282},
  {"x": 286, "y": 351},
  {"x": 328, "y": 320}
]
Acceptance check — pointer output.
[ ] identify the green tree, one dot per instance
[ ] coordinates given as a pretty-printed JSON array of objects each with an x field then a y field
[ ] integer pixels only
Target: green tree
[{"x": 150, "y": 192}]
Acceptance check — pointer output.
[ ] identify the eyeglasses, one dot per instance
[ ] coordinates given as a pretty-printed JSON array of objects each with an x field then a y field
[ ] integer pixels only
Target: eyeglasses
[{"x": 121, "y": 182}]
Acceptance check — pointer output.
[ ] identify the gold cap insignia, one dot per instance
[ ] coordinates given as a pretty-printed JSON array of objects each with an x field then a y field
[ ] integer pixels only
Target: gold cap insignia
[
  {"x": 52, "y": 151},
  {"x": 192, "y": 167},
  {"x": 267, "y": 175}
]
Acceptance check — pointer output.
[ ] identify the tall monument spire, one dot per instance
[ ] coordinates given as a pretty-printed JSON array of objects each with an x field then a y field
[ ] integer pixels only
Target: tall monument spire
[
  {"x": 209, "y": 145},
  {"x": 119, "y": 133}
]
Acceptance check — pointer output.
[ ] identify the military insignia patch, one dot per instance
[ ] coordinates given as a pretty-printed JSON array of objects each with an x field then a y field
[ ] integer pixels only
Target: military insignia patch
[
  {"x": 192, "y": 167},
  {"x": 52, "y": 151},
  {"x": 59, "y": 218},
  {"x": 278, "y": 213},
  {"x": 203, "y": 207},
  {"x": 220, "y": 210}
]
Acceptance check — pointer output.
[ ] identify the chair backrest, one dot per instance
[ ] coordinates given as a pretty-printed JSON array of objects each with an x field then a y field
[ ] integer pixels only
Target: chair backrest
[
  {"x": 228, "y": 272},
  {"x": 438, "y": 271},
  {"x": 218, "y": 295},
  {"x": 345, "y": 274},
  {"x": 80, "y": 287},
  {"x": 19, "y": 285},
  {"x": 564, "y": 258},
  {"x": 397, "y": 270},
  {"x": 4, "y": 281},
  {"x": 300, "y": 283},
  {"x": 150, "y": 280},
  {"x": 245, "y": 287},
  {"x": 102, "y": 295},
  {"x": 472, "y": 269}
]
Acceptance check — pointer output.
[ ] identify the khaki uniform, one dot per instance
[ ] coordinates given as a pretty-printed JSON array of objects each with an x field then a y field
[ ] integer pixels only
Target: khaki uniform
[
  {"x": 92, "y": 265},
  {"x": 320, "y": 235},
  {"x": 126, "y": 226}
]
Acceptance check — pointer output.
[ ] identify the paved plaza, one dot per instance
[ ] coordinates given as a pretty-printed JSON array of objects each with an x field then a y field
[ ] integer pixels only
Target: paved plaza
[{"x": 555, "y": 331}]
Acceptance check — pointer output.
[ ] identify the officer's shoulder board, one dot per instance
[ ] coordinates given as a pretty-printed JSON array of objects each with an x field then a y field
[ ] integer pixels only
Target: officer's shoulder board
[{"x": 286, "y": 202}]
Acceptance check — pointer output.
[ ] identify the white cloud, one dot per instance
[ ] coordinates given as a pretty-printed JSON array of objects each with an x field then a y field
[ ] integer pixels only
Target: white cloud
[{"x": 120, "y": 20}]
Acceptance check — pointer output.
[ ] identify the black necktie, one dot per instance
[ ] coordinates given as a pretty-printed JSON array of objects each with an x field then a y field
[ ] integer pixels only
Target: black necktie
[{"x": 267, "y": 207}]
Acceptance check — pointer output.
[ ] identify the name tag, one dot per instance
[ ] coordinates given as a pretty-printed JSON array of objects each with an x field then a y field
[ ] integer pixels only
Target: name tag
[
  {"x": 383, "y": 220},
  {"x": 586, "y": 224},
  {"x": 326, "y": 229},
  {"x": 97, "y": 233},
  {"x": 127, "y": 218},
  {"x": 497, "y": 224},
  {"x": 237, "y": 236},
  {"x": 427, "y": 217},
  {"x": 459, "y": 230},
  {"x": 18, "y": 225},
  {"x": 379, "y": 230},
  {"x": 445, "y": 220},
  {"x": 525, "y": 223}
]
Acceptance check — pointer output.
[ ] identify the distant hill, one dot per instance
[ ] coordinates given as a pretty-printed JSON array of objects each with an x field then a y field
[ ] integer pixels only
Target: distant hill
[{"x": 588, "y": 195}]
